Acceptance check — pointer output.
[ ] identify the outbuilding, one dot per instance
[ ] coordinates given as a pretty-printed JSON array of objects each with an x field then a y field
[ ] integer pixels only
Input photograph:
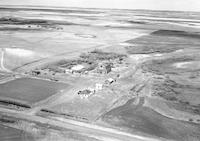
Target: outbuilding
[
  {"x": 104, "y": 68},
  {"x": 110, "y": 81}
]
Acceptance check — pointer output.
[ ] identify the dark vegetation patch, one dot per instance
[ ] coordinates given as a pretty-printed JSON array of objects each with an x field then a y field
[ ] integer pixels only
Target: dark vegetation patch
[
  {"x": 11, "y": 103},
  {"x": 6, "y": 119},
  {"x": 165, "y": 66},
  {"x": 71, "y": 63},
  {"x": 176, "y": 33},
  {"x": 148, "y": 49},
  {"x": 13, "y": 20},
  {"x": 142, "y": 119},
  {"x": 62, "y": 65},
  {"x": 18, "y": 29},
  {"x": 175, "y": 94},
  {"x": 89, "y": 60},
  {"x": 148, "y": 44},
  {"x": 50, "y": 112},
  {"x": 185, "y": 106},
  {"x": 42, "y": 23},
  {"x": 98, "y": 55},
  {"x": 47, "y": 111},
  {"x": 175, "y": 85},
  {"x": 136, "y": 22},
  {"x": 166, "y": 89}
]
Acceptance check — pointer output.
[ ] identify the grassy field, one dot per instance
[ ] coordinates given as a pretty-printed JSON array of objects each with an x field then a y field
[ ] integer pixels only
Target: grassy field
[
  {"x": 156, "y": 42},
  {"x": 136, "y": 118},
  {"x": 12, "y": 134},
  {"x": 89, "y": 109},
  {"x": 155, "y": 62},
  {"x": 30, "y": 90}
]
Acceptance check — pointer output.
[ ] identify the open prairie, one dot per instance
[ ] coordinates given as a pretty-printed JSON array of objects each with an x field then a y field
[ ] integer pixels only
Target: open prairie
[{"x": 100, "y": 74}]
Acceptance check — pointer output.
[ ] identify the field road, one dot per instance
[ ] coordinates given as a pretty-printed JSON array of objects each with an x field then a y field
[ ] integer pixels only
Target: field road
[{"x": 98, "y": 132}]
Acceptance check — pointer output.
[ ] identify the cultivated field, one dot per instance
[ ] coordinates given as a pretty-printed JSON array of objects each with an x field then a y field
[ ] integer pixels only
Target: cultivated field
[
  {"x": 107, "y": 74},
  {"x": 29, "y": 90}
]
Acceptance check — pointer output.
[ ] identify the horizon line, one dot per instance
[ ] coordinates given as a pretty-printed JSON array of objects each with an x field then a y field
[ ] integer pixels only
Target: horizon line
[{"x": 63, "y": 7}]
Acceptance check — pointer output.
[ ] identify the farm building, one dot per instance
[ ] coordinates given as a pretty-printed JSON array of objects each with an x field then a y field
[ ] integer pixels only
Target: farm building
[
  {"x": 86, "y": 93},
  {"x": 109, "y": 81},
  {"x": 104, "y": 68},
  {"x": 76, "y": 68},
  {"x": 98, "y": 86}
]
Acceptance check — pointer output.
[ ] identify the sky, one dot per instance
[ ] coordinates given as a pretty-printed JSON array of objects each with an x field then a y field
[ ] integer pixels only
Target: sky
[{"x": 177, "y": 5}]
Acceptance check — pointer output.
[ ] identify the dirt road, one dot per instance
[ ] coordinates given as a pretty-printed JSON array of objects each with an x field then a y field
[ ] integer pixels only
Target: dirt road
[{"x": 91, "y": 130}]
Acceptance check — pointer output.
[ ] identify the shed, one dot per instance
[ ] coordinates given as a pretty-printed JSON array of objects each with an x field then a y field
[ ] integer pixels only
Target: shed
[{"x": 104, "y": 68}]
